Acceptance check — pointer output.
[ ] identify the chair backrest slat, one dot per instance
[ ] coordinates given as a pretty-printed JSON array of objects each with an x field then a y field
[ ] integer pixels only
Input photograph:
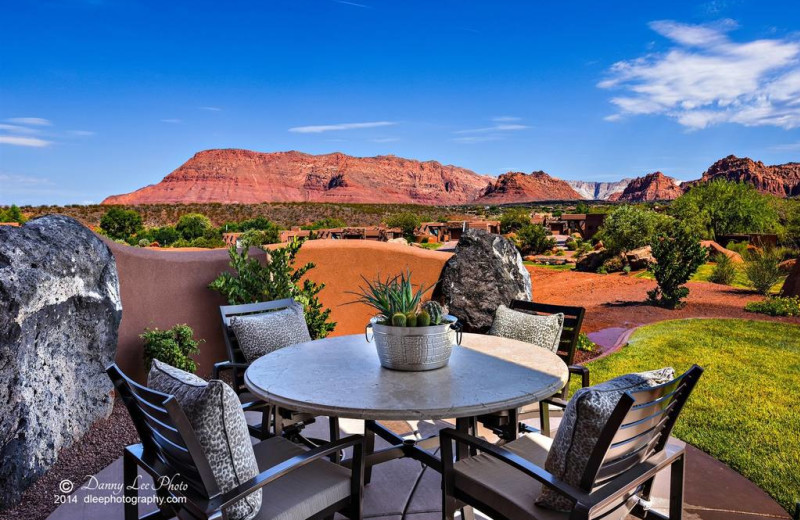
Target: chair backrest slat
[
  {"x": 573, "y": 319},
  {"x": 638, "y": 428},
  {"x": 166, "y": 433},
  {"x": 231, "y": 344}
]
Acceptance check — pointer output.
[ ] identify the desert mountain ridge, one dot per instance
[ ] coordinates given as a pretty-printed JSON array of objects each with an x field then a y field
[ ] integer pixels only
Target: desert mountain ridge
[{"x": 248, "y": 177}]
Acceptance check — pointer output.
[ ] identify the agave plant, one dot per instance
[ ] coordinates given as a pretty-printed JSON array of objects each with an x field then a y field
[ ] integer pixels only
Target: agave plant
[{"x": 393, "y": 296}]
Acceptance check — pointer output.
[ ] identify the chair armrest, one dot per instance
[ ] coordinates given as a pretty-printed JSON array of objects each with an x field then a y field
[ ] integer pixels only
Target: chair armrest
[
  {"x": 226, "y": 365},
  {"x": 275, "y": 472},
  {"x": 532, "y": 470},
  {"x": 582, "y": 371}
]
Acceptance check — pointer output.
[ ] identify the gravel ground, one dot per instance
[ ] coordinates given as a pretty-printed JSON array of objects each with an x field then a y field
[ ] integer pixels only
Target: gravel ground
[
  {"x": 618, "y": 300},
  {"x": 101, "y": 445}
]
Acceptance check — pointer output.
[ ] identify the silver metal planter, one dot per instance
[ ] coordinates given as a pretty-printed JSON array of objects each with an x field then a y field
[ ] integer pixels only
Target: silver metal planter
[{"x": 415, "y": 348}]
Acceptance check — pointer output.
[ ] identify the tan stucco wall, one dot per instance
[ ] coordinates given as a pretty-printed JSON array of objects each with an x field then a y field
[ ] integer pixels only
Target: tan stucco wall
[{"x": 160, "y": 288}]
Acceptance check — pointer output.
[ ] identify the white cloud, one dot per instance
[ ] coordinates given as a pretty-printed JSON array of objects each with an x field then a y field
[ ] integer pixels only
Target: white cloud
[
  {"x": 171, "y": 121},
  {"x": 354, "y": 4},
  {"x": 790, "y": 147},
  {"x": 477, "y": 139},
  {"x": 16, "y": 129},
  {"x": 26, "y": 180},
  {"x": 495, "y": 128},
  {"x": 34, "y": 121},
  {"x": 316, "y": 129},
  {"x": 15, "y": 140},
  {"x": 211, "y": 109},
  {"x": 506, "y": 119},
  {"x": 705, "y": 78},
  {"x": 80, "y": 133}
]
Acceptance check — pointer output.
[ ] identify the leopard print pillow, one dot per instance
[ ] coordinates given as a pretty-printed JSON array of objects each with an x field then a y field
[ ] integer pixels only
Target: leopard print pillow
[
  {"x": 216, "y": 415},
  {"x": 542, "y": 331},
  {"x": 260, "y": 334},
  {"x": 584, "y": 418}
]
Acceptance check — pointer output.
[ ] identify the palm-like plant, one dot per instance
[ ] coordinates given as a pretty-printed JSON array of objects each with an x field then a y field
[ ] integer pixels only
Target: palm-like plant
[{"x": 394, "y": 295}]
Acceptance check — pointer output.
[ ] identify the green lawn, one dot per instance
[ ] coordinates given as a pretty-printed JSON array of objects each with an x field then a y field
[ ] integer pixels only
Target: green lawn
[
  {"x": 745, "y": 410},
  {"x": 562, "y": 267},
  {"x": 704, "y": 273}
]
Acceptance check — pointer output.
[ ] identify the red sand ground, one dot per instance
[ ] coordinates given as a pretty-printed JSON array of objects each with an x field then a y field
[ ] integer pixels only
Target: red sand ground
[{"x": 617, "y": 300}]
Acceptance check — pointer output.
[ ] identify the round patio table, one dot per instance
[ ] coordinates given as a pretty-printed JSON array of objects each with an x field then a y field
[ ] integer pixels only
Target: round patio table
[{"x": 342, "y": 377}]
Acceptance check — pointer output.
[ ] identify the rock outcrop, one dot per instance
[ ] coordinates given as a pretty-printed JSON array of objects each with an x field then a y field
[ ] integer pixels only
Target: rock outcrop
[
  {"x": 791, "y": 287},
  {"x": 59, "y": 315},
  {"x": 652, "y": 187},
  {"x": 599, "y": 190},
  {"x": 782, "y": 180},
  {"x": 485, "y": 272},
  {"x": 640, "y": 258},
  {"x": 517, "y": 187},
  {"x": 242, "y": 176}
]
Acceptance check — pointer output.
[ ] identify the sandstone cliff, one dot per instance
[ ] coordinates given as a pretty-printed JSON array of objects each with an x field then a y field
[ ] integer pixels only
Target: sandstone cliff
[
  {"x": 651, "y": 187},
  {"x": 782, "y": 180},
  {"x": 242, "y": 176},
  {"x": 598, "y": 190},
  {"x": 516, "y": 187}
]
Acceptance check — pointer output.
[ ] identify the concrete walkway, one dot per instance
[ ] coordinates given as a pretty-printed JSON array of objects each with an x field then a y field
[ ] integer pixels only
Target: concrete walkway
[{"x": 404, "y": 490}]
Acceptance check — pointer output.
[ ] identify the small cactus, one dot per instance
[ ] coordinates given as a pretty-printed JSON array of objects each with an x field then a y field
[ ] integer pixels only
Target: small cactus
[
  {"x": 411, "y": 319},
  {"x": 423, "y": 319},
  {"x": 399, "y": 320},
  {"x": 434, "y": 310}
]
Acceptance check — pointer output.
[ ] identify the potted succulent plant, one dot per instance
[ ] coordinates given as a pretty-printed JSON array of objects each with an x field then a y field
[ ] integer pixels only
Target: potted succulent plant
[{"x": 409, "y": 334}]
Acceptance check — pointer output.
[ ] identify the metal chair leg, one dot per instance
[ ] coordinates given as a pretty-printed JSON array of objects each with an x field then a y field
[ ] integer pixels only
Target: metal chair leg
[
  {"x": 130, "y": 492},
  {"x": 544, "y": 418},
  {"x": 333, "y": 428},
  {"x": 369, "y": 449},
  {"x": 676, "y": 488}
]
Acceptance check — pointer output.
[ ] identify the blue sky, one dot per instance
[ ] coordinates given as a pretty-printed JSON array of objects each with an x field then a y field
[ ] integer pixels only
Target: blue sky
[{"x": 99, "y": 97}]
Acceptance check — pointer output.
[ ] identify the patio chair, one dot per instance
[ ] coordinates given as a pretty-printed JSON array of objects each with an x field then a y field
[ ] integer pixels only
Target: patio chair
[
  {"x": 274, "y": 421},
  {"x": 630, "y": 449},
  {"x": 296, "y": 484},
  {"x": 504, "y": 424}
]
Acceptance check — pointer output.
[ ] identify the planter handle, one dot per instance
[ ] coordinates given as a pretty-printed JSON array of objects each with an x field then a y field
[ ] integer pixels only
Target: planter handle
[
  {"x": 459, "y": 331},
  {"x": 366, "y": 332}
]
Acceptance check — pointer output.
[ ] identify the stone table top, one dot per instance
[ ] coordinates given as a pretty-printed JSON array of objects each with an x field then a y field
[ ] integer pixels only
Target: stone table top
[{"x": 342, "y": 377}]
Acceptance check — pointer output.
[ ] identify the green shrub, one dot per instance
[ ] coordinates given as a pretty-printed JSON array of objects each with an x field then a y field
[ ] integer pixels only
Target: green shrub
[
  {"x": 407, "y": 221},
  {"x": 762, "y": 269},
  {"x": 173, "y": 346},
  {"x": 776, "y": 306},
  {"x": 585, "y": 344},
  {"x": 193, "y": 225},
  {"x": 514, "y": 219},
  {"x": 120, "y": 224},
  {"x": 12, "y": 214},
  {"x": 722, "y": 208},
  {"x": 613, "y": 264},
  {"x": 572, "y": 244},
  {"x": 738, "y": 247},
  {"x": 533, "y": 239},
  {"x": 678, "y": 254},
  {"x": 630, "y": 227},
  {"x": 724, "y": 271},
  {"x": 327, "y": 223},
  {"x": 165, "y": 235},
  {"x": 276, "y": 278},
  {"x": 143, "y": 242}
]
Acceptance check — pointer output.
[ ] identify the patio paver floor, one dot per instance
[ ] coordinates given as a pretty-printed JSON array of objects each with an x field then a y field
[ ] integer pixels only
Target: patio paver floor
[{"x": 713, "y": 491}]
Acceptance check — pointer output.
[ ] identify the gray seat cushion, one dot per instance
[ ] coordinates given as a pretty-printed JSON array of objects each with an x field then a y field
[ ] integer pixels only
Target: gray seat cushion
[
  {"x": 509, "y": 491},
  {"x": 303, "y": 492},
  {"x": 218, "y": 421},
  {"x": 260, "y": 334},
  {"x": 584, "y": 419},
  {"x": 542, "y": 331}
]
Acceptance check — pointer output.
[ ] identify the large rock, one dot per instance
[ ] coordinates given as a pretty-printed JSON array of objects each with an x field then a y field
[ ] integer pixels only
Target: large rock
[
  {"x": 714, "y": 249},
  {"x": 591, "y": 261},
  {"x": 59, "y": 314},
  {"x": 791, "y": 287},
  {"x": 640, "y": 258},
  {"x": 485, "y": 272}
]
